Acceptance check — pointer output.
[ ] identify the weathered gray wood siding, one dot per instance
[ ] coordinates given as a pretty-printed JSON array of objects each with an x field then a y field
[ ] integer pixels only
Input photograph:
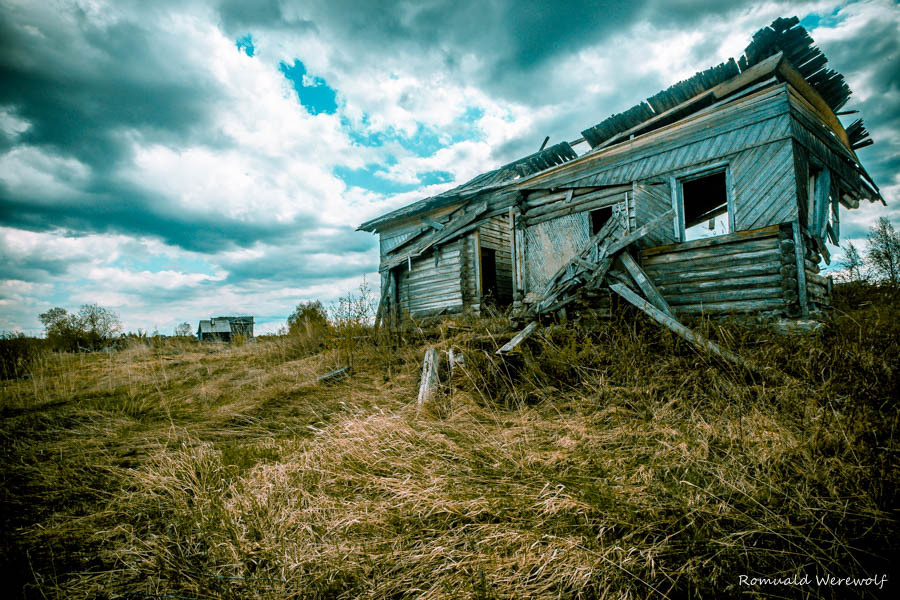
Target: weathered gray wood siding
[
  {"x": 650, "y": 201},
  {"x": 763, "y": 189},
  {"x": 495, "y": 234},
  {"x": 550, "y": 245},
  {"x": 820, "y": 144},
  {"x": 739, "y": 272},
  {"x": 753, "y": 121},
  {"x": 431, "y": 287},
  {"x": 396, "y": 233},
  {"x": 764, "y": 186}
]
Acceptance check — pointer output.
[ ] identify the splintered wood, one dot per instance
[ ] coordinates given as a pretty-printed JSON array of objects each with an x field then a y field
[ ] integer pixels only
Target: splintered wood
[
  {"x": 430, "y": 379},
  {"x": 590, "y": 269}
]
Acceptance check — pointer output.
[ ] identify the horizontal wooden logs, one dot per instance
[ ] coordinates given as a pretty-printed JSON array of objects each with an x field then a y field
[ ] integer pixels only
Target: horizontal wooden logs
[
  {"x": 718, "y": 296},
  {"x": 772, "y": 257},
  {"x": 737, "y": 306},
  {"x": 566, "y": 211},
  {"x": 712, "y": 252},
  {"x": 579, "y": 195},
  {"x": 669, "y": 276},
  {"x": 731, "y": 283},
  {"x": 740, "y": 236}
]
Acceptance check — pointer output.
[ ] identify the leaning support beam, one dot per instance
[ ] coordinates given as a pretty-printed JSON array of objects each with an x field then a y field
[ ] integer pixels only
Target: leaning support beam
[
  {"x": 519, "y": 338},
  {"x": 640, "y": 232},
  {"x": 429, "y": 376},
  {"x": 643, "y": 281},
  {"x": 669, "y": 322}
]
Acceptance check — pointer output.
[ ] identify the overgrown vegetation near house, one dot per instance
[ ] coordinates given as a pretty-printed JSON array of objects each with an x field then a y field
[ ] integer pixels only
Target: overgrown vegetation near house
[{"x": 604, "y": 460}]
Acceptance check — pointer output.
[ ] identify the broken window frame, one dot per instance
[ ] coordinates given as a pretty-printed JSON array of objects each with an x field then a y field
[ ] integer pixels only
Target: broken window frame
[{"x": 676, "y": 182}]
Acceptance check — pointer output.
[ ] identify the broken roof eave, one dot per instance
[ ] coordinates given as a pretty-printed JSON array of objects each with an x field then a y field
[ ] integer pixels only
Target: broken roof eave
[
  {"x": 484, "y": 183},
  {"x": 775, "y": 65}
]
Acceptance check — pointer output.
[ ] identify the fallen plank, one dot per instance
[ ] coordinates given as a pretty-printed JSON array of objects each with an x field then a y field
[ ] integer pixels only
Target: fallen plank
[
  {"x": 429, "y": 376},
  {"x": 519, "y": 338},
  {"x": 667, "y": 321},
  {"x": 332, "y": 375},
  {"x": 640, "y": 278}
]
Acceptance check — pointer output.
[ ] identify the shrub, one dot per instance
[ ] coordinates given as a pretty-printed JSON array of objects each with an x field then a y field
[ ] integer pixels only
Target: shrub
[
  {"x": 17, "y": 353},
  {"x": 88, "y": 329},
  {"x": 308, "y": 327}
]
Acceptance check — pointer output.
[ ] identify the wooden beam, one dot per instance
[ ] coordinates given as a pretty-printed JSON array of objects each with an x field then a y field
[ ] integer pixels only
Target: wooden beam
[
  {"x": 455, "y": 226},
  {"x": 519, "y": 338},
  {"x": 640, "y": 278},
  {"x": 431, "y": 222},
  {"x": 672, "y": 324},
  {"x": 640, "y": 232},
  {"x": 799, "y": 255},
  {"x": 476, "y": 254},
  {"x": 822, "y": 202},
  {"x": 429, "y": 376}
]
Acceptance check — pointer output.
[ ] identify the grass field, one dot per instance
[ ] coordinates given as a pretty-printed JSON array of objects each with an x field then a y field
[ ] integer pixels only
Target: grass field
[{"x": 606, "y": 462}]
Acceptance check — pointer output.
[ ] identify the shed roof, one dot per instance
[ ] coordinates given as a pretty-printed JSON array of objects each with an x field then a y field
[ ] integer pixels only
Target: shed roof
[{"x": 215, "y": 326}]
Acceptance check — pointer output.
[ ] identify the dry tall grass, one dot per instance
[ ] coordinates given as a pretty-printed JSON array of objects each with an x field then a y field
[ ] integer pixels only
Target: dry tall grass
[{"x": 615, "y": 462}]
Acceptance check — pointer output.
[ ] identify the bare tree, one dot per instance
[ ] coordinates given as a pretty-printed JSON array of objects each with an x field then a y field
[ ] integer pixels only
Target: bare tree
[
  {"x": 183, "y": 330},
  {"x": 884, "y": 251},
  {"x": 853, "y": 263}
]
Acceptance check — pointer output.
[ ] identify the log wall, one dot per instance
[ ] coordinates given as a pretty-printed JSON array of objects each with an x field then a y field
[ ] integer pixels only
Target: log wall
[
  {"x": 739, "y": 272},
  {"x": 433, "y": 285}
]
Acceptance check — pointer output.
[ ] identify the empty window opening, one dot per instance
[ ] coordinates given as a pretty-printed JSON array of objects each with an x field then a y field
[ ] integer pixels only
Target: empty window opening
[
  {"x": 705, "y": 205},
  {"x": 489, "y": 290},
  {"x": 599, "y": 218}
]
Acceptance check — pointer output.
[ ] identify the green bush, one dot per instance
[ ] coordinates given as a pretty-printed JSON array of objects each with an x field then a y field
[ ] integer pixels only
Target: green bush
[{"x": 89, "y": 329}]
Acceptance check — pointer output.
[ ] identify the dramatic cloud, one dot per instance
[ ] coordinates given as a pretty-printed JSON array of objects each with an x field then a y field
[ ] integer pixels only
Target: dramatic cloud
[{"x": 175, "y": 160}]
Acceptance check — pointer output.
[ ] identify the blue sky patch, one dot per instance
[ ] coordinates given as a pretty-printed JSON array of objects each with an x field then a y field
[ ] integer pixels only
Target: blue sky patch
[
  {"x": 435, "y": 177},
  {"x": 245, "y": 45},
  {"x": 368, "y": 178},
  {"x": 313, "y": 93},
  {"x": 426, "y": 140}
]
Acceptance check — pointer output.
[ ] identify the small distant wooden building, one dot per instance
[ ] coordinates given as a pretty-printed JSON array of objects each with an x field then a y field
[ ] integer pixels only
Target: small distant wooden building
[
  {"x": 225, "y": 329},
  {"x": 746, "y": 163}
]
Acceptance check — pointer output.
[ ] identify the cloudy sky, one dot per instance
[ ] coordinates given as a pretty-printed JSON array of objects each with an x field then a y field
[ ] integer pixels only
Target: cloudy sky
[{"x": 175, "y": 160}]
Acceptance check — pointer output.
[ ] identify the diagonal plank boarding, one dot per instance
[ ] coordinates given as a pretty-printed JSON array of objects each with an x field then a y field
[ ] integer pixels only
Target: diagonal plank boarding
[{"x": 671, "y": 323}]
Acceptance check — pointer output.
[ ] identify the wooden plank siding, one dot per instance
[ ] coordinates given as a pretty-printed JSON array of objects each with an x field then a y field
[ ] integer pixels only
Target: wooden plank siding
[
  {"x": 738, "y": 272},
  {"x": 764, "y": 186},
  {"x": 427, "y": 289},
  {"x": 650, "y": 200},
  {"x": 749, "y": 122}
]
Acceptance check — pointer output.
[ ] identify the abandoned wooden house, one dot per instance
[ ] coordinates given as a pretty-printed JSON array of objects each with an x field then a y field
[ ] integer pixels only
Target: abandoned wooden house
[
  {"x": 225, "y": 329},
  {"x": 716, "y": 195}
]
